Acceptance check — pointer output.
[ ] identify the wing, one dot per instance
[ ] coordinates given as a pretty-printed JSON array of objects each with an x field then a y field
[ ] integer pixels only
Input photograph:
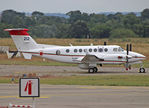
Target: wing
[{"x": 91, "y": 59}]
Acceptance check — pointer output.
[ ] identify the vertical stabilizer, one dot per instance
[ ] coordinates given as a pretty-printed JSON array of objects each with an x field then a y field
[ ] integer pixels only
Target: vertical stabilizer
[{"x": 22, "y": 39}]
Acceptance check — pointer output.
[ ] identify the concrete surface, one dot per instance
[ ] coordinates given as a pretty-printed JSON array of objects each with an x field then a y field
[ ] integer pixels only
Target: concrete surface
[
  {"x": 18, "y": 70},
  {"x": 55, "y": 96}
]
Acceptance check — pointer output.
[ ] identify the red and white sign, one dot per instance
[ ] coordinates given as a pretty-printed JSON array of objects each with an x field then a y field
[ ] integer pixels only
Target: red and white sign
[
  {"x": 29, "y": 87},
  {"x": 19, "y": 106}
]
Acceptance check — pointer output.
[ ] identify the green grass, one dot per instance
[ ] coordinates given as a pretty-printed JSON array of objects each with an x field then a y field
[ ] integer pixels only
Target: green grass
[
  {"x": 145, "y": 64},
  {"x": 5, "y": 80},
  {"x": 106, "y": 80},
  {"x": 103, "y": 80},
  {"x": 35, "y": 63}
]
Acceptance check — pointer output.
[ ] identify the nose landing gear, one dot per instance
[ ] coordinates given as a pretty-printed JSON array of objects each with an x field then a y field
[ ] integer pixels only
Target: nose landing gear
[{"x": 142, "y": 70}]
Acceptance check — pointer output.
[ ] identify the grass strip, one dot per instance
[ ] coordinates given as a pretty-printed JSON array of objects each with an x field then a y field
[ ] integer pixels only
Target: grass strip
[{"x": 103, "y": 80}]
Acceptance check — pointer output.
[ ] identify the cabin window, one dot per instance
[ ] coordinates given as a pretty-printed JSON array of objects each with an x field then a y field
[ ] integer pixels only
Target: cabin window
[
  {"x": 80, "y": 50},
  {"x": 120, "y": 49},
  {"x": 115, "y": 49},
  {"x": 85, "y": 50},
  {"x": 105, "y": 49},
  {"x": 90, "y": 50},
  {"x": 75, "y": 50},
  {"x": 100, "y": 50},
  {"x": 67, "y": 50},
  {"x": 95, "y": 50},
  {"x": 58, "y": 52}
]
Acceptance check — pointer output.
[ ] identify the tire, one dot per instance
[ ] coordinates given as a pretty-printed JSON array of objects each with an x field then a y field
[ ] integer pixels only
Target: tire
[
  {"x": 142, "y": 70},
  {"x": 95, "y": 69},
  {"x": 91, "y": 70}
]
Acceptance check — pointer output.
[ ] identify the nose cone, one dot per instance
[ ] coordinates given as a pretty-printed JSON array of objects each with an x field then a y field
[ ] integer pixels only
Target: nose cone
[
  {"x": 140, "y": 56},
  {"x": 137, "y": 56}
]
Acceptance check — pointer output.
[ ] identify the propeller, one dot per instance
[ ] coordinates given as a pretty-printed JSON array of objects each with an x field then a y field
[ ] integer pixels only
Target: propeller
[
  {"x": 128, "y": 48},
  {"x": 105, "y": 43},
  {"x": 127, "y": 61}
]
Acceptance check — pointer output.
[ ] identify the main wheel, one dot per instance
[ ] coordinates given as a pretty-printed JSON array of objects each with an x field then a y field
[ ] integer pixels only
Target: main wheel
[
  {"x": 92, "y": 70},
  {"x": 142, "y": 70},
  {"x": 95, "y": 69}
]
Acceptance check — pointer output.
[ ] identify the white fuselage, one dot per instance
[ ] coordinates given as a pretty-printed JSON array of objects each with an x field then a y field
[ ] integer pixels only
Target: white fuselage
[{"x": 112, "y": 54}]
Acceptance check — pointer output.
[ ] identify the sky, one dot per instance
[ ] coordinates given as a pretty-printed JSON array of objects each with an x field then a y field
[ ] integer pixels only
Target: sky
[{"x": 64, "y": 6}]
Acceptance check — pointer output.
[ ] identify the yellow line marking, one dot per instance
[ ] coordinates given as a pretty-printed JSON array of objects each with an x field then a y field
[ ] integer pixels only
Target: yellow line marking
[
  {"x": 106, "y": 87},
  {"x": 43, "y": 97},
  {"x": 8, "y": 96},
  {"x": 90, "y": 87},
  {"x": 31, "y": 97}
]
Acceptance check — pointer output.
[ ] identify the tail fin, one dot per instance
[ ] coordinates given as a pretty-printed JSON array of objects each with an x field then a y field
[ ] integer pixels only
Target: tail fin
[{"x": 22, "y": 39}]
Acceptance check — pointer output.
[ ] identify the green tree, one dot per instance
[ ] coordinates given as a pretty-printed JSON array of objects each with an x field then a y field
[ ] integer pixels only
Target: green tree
[
  {"x": 44, "y": 31},
  {"x": 13, "y": 17},
  {"x": 79, "y": 29},
  {"x": 37, "y": 14},
  {"x": 3, "y": 26},
  {"x": 100, "y": 31},
  {"x": 145, "y": 14},
  {"x": 98, "y": 18},
  {"x": 63, "y": 30},
  {"x": 77, "y": 15},
  {"x": 122, "y": 33},
  {"x": 129, "y": 20},
  {"x": 145, "y": 28}
]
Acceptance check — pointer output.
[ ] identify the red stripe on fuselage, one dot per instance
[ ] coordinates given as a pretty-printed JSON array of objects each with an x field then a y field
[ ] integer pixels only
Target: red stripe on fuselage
[
  {"x": 71, "y": 55},
  {"x": 53, "y": 54}
]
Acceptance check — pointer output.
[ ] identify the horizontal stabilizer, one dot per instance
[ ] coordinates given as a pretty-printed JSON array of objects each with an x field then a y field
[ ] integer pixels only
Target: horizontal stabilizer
[
  {"x": 18, "y": 31},
  {"x": 27, "y": 56}
]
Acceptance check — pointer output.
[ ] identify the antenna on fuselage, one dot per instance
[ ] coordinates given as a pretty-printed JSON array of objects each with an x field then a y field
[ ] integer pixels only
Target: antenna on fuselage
[
  {"x": 105, "y": 43},
  {"x": 70, "y": 44}
]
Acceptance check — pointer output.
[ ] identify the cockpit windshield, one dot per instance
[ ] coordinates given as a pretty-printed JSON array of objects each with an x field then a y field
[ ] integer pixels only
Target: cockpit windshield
[{"x": 119, "y": 49}]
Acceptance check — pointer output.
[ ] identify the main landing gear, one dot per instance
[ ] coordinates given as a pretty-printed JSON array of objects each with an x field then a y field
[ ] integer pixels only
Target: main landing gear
[{"x": 93, "y": 70}]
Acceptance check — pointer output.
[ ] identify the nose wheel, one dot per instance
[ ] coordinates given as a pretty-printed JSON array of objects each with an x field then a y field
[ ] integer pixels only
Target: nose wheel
[
  {"x": 142, "y": 70},
  {"x": 92, "y": 70}
]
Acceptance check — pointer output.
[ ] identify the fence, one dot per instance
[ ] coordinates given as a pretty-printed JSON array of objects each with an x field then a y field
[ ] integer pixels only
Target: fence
[{"x": 4, "y": 49}]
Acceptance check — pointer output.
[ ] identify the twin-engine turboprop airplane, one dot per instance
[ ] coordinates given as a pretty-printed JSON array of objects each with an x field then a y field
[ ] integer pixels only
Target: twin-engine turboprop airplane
[{"x": 87, "y": 57}]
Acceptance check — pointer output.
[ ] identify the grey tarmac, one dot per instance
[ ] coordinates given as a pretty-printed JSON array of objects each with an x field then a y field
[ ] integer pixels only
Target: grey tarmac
[
  {"x": 64, "y": 96},
  {"x": 18, "y": 70}
]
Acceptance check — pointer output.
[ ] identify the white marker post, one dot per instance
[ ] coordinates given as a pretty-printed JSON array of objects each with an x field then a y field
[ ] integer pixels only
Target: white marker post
[{"x": 29, "y": 87}]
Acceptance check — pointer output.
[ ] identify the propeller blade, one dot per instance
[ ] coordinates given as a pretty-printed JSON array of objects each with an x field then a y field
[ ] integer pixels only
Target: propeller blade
[
  {"x": 130, "y": 49},
  {"x": 127, "y": 48},
  {"x": 126, "y": 65}
]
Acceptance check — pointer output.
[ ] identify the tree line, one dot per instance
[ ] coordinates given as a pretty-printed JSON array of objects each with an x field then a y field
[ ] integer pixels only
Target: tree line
[{"x": 78, "y": 25}]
